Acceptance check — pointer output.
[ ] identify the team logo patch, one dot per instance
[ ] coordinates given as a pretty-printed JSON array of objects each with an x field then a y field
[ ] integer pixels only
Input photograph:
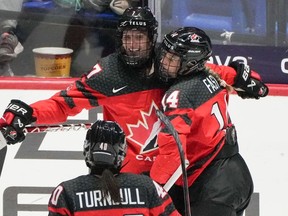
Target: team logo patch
[
  {"x": 195, "y": 38},
  {"x": 150, "y": 125}
]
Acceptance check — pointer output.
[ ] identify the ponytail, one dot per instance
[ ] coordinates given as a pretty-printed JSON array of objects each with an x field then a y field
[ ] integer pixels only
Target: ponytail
[
  {"x": 222, "y": 83},
  {"x": 110, "y": 186}
]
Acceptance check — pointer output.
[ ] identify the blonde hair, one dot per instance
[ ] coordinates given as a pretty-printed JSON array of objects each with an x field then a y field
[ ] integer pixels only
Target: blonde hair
[{"x": 222, "y": 82}]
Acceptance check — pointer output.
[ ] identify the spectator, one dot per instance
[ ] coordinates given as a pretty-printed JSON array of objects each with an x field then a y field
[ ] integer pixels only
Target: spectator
[
  {"x": 10, "y": 47},
  {"x": 248, "y": 11}
]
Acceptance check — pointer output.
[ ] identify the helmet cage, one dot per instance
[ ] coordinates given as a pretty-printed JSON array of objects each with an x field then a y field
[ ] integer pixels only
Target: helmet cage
[
  {"x": 139, "y": 57},
  {"x": 164, "y": 70},
  {"x": 142, "y": 19}
]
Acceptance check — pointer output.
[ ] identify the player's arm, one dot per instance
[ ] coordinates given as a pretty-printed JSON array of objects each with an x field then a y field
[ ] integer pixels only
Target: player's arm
[
  {"x": 71, "y": 101},
  {"x": 18, "y": 114},
  {"x": 245, "y": 81},
  {"x": 58, "y": 205},
  {"x": 226, "y": 73},
  {"x": 68, "y": 102},
  {"x": 56, "y": 109}
]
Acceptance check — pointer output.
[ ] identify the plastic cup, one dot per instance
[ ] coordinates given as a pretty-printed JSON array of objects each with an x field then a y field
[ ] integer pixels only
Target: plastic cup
[{"x": 52, "y": 61}]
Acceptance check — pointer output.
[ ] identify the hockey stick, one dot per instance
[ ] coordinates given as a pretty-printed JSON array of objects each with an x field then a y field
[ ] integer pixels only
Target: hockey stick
[
  {"x": 3, "y": 151},
  {"x": 2, "y": 141},
  {"x": 48, "y": 128},
  {"x": 175, "y": 176},
  {"x": 39, "y": 129},
  {"x": 175, "y": 135},
  {"x": 56, "y": 128}
]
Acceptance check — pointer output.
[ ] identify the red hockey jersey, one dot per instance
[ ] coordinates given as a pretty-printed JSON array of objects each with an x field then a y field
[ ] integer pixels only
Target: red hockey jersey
[
  {"x": 197, "y": 108},
  {"x": 125, "y": 98}
]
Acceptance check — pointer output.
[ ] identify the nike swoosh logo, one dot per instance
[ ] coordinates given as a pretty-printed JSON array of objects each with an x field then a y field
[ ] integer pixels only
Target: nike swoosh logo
[{"x": 118, "y": 89}]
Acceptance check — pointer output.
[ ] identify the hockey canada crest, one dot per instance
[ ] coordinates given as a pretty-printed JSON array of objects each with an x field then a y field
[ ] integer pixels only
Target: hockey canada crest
[{"x": 145, "y": 131}]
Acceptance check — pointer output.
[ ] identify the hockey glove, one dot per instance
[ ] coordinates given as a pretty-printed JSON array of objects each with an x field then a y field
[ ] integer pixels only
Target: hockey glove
[
  {"x": 245, "y": 85},
  {"x": 16, "y": 116}
]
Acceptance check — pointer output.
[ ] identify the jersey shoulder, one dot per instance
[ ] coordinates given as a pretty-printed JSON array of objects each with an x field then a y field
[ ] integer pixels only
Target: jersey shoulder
[
  {"x": 135, "y": 179},
  {"x": 195, "y": 90},
  {"x": 83, "y": 182}
]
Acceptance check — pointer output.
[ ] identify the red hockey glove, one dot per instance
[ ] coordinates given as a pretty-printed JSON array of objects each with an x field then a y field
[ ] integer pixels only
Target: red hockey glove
[
  {"x": 245, "y": 84},
  {"x": 16, "y": 116}
]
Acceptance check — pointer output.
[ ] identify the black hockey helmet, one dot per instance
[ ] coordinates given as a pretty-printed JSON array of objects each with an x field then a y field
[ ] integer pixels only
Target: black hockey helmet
[
  {"x": 104, "y": 147},
  {"x": 191, "y": 44},
  {"x": 141, "y": 19}
]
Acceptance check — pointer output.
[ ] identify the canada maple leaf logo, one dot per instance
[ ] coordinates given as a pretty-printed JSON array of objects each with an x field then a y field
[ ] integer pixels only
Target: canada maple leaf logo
[{"x": 145, "y": 131}]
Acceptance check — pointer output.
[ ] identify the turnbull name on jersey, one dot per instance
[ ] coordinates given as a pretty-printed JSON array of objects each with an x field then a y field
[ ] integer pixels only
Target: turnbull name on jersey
[
  {"x": 95, "y": 198},
  {"x": 211, "y": 83}
]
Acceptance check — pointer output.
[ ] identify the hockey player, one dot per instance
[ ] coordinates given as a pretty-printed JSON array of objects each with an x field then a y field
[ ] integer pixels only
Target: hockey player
[
  {"x": 219, "y": 180},
  {"x": 123, "y": 83},
  {"x": 104, "y": 191}
]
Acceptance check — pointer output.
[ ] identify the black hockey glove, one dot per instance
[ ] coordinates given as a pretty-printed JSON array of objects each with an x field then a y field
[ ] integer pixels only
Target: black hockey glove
[
  {"x": 254, "y": 90},
  {"x": 245, "y": 85},
  {"x": 16, "y": 116}
]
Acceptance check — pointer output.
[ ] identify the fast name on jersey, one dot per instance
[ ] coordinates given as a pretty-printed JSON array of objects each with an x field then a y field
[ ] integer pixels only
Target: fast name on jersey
[{"x": 211, "y": 83}]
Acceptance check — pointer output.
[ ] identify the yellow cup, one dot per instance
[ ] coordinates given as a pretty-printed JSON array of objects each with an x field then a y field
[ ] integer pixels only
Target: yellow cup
[{"x": 52, "y": 61}]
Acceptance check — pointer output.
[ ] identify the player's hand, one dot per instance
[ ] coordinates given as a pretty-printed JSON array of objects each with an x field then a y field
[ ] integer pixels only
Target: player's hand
[
  {"x": 254, "y": 90},
  {"x": 16, "y": 116},
  {"x": 245, "y": 85},
  {"x": 119, "y": 6}
]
